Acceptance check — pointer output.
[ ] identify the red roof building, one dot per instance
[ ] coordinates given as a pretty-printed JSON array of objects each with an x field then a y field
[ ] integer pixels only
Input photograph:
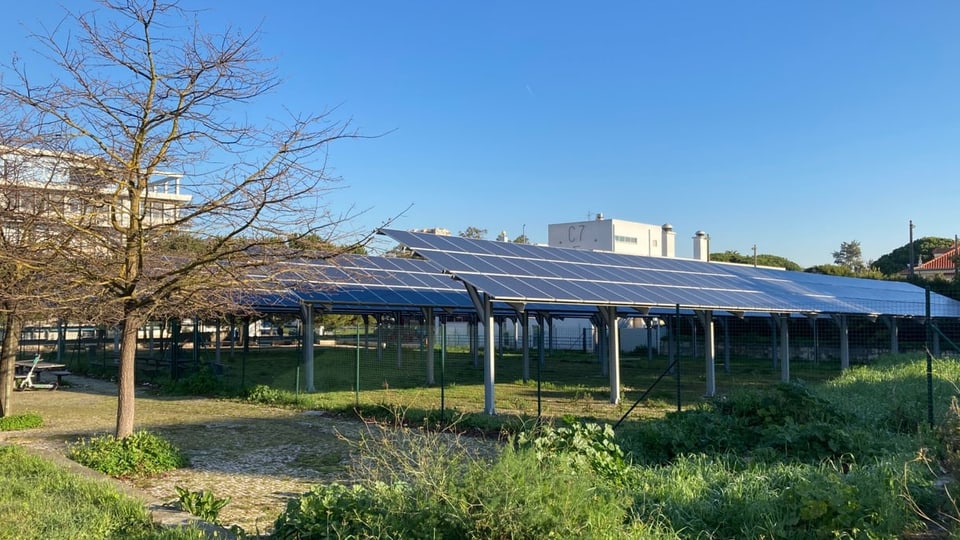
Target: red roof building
[{"x": 943, "y": 264}]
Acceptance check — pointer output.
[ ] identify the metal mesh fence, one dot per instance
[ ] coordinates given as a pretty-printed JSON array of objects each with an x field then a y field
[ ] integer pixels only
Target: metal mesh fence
[{"x": 563, "y": 370}]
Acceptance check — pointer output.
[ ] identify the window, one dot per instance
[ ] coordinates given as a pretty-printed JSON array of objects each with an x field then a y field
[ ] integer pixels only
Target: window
[{"x": 625, "y": 239}]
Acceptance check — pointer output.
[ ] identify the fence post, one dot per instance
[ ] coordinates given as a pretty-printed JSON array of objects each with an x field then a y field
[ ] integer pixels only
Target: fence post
[
  {"x": 357, "y": 385},
  {"x": 929, "y": 332}
]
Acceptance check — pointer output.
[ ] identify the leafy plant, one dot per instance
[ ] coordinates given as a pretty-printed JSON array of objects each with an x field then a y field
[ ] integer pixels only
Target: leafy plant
[
  {"x": 266, "y": 395},
  {"x": 580, "y": 445},
  {"x": 21, "y": 421},
  {"x": 202, "y": 504},
  {"x": 141, "y": 454},
  {"x": 339, "y": 511}
]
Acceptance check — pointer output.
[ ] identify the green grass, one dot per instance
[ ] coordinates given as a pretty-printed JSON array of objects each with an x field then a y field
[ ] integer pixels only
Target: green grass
[
  {"x": 19, "y": 422},
  {"x": 844, "y": 455},
  {"x": 571, "y": 383},
  {"x": 41, "y": 500},
  {"x": 848, "y": 457}
]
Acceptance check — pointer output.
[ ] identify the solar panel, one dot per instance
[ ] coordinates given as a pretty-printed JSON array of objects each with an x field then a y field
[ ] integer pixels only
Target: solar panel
[
  {"x": 525, "y": 273},
  {"x": 353, "y": 280}
]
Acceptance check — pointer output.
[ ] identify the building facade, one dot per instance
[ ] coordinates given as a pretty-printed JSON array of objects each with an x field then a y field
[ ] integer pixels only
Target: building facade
[
  {"x": 42, "y": 187},
  {"x": 614, "y": 235}
]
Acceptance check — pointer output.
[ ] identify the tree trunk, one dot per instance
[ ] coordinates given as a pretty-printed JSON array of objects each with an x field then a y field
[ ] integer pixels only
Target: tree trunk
[
  {"x": 126, "y": 385},
  {"x": 12, "y": 326}
]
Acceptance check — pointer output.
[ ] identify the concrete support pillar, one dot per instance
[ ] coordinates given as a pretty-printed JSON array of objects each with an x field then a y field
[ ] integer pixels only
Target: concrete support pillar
[{"x": 488, "y": 357}]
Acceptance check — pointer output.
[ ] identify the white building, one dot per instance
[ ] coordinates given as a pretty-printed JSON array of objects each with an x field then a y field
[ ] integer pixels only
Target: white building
[
  {"x": 43, "y": 186},
  {"x": 614, "y": 235}
]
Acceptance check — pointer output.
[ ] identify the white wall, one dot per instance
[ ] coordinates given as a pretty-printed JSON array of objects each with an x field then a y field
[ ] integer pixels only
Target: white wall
[{"x": 615, "y": 235}]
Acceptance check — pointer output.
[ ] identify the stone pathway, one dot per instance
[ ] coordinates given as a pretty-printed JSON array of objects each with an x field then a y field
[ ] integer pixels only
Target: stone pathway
[{"x": 259, "y": 456}]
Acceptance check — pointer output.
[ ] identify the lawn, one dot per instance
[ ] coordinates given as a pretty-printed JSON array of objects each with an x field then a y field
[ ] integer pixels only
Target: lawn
[
  {"x": 42, "y": 500},
  {"x": 570, "y": 383}
]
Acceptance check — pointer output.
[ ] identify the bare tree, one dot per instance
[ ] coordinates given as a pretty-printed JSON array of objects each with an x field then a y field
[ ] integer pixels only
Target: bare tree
[{"x": 149, "y": 113}]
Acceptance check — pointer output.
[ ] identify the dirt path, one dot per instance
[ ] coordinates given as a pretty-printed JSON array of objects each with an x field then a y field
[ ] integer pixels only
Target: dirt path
[{"x": 258, "y": 456}]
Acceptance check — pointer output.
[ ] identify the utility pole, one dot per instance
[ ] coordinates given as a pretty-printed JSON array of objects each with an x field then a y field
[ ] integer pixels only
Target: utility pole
[
  {"x": 912, "y": 258},
  {"x": 754, "y": 255}
]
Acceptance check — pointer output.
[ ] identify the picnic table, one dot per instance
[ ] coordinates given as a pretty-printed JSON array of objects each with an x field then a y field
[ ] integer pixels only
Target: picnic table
[{"x": 53, "y": 368}]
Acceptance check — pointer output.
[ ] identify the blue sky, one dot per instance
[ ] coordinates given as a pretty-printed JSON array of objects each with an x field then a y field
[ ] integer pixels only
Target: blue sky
[{"x": 792, "y": 126}]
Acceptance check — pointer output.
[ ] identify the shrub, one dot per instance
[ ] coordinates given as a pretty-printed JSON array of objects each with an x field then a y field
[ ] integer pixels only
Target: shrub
[
  {"x": 21, "y": 421},
  {"x": 423, "y": 485},
  {"x": 140, "y": 454},
  {"x": 522, "y": 496},
  {"x": 339, "y": 511},
  {"x": 267, "y": 395},
  {"x": 201, "y": 383},
  {"x": 735, "y": 499},
  {"x": 785, "y": 421},
  {"x": 579, "y": 445}
]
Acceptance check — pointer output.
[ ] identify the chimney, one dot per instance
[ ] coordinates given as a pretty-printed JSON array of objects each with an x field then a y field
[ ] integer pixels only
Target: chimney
[
  {"x": 668, "y": 241},
  {"x": 701, "y": 246}
]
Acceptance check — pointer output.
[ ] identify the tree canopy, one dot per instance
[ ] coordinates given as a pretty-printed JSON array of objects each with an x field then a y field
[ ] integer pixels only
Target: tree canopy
[
  {"x": 899, "y": 259},
  {"x": 850, "y": 256},
  {"x": 475, "y": 233},
  {"x": 762, "y": 259}
]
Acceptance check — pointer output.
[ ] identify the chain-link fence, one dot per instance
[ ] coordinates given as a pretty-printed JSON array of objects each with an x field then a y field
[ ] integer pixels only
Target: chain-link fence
[{"x": 556, "y": 369}]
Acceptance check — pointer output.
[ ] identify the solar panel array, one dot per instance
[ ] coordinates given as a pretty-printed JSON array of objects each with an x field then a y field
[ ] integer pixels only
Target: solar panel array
[
  {"x": 526, "y": 273},
  {"x": 357, "y": 283}
]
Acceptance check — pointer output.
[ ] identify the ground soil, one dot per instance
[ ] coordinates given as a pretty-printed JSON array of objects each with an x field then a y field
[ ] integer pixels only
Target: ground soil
[{"x": 259, "y": 456}]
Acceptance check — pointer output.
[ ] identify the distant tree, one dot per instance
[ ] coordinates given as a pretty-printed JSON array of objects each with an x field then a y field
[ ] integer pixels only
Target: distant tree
[
  {"x": 522, "y": 239},
  {"x": 474, "y": 233},
  {"x": 776, "y": 260},
  {"x": 850, "y": 256},
  {"x": 899, "y": 259},
  {"x": 316, "y": 244},
  {"x": 830, "y": 270},
  {"x": 338, "y": 323},
  {"x": 761, "y": 260},
  {"x": 400, "y": 251},
  {"x": 947, "y": 287}
]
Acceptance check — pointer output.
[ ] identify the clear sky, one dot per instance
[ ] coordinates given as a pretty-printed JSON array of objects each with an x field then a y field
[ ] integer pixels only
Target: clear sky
[{"x": 792, "y": 126}]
